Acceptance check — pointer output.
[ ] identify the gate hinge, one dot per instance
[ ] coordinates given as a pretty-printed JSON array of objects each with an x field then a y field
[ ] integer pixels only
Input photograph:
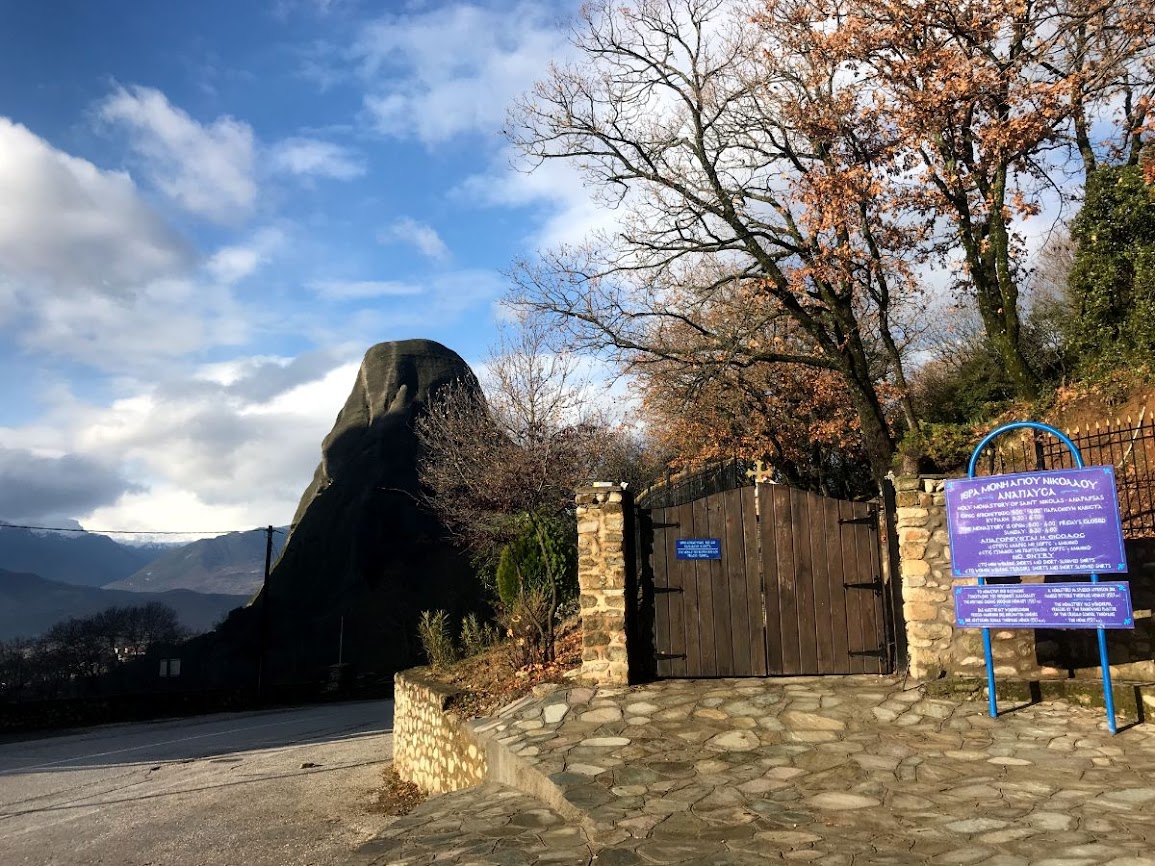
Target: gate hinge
[
  {"x": 876, "y": 585},
  {"x": 870, "y": 520}
]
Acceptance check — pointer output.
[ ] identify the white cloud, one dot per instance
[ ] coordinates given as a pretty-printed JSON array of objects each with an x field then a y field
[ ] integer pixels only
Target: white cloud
[
  {"x": 311, "y": 157},
  {"x": 568, "y": 212},
  {"x": 206, "y": 454},
  {"x": 163, "y": 321},
  {"x": 233, "y": 263},
  {"x": 419, "y": 235},
  {"x": 206, "y": 169},
  {"x": 90, "y": 273},
  {"x": 68, "y": 225},
  {"x": 453, "y": 70},
  {"x": 350, "y": 290}
]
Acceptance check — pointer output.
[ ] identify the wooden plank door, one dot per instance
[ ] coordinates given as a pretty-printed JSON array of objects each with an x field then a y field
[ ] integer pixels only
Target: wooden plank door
[
  {"x": 708, "y": 613},
  {"x": 797, "y": 591},
  {"x": 864, "y": 589},
  {"x": 822, "y": 575}
]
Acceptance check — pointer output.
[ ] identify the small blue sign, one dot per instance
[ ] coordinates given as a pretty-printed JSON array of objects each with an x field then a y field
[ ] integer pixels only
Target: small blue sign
[
  {"x": 698, "y": 548},
  {"x": 1044, "y": 605}
]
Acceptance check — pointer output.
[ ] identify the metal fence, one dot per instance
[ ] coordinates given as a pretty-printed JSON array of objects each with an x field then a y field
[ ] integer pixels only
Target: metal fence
[
  {"x": 1126, "y": 444},
  {"x": 680, "y": 489}
]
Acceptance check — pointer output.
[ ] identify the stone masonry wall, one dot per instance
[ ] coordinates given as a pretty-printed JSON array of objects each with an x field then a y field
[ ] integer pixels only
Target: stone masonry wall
[
  {"x": 937, "y": 648},
  {"x": 602, "y": 580},
  {"x": 924, "y": 565},
  {"x": 432, "y": 748}
]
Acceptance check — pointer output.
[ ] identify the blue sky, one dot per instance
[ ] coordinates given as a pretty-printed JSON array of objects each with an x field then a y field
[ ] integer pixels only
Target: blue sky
[{"x": 208, "y": 211}]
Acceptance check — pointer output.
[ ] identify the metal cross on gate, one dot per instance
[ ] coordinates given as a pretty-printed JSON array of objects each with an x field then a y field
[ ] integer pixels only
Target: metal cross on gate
[{"x": 761, "y": 473}]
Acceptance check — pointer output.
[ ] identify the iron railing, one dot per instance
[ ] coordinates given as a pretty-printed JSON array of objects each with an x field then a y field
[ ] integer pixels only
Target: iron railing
[
  {"x": 1127, "y": 445},
  {"x": 682, "y": 488}
]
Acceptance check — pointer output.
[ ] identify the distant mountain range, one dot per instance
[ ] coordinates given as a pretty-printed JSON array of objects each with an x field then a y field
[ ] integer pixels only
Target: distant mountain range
[
  {"x": 232, "y": 563},
  {"x": 80, "y": 558},
  {"x": 30, "y": 605},
  {"x": 46, "y": 577}
]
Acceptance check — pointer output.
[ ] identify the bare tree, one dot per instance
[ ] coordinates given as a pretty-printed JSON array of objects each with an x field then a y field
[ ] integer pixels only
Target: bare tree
[
  {"x": 80, "y": 650},
  {"x": 521, "y": 449},
  {"x": 753, "y": 229}
]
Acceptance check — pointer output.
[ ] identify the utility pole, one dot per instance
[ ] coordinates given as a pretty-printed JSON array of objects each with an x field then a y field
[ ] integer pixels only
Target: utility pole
[{"x": 264, "y": 634}]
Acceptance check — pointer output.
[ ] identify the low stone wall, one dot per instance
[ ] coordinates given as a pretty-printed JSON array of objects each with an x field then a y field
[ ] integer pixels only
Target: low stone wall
[
  {"x": 432, "y": 747},
  {"x": 937, "y": 648}
]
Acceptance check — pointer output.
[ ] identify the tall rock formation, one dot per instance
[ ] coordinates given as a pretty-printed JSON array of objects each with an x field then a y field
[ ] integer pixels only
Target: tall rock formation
[{"x": 363, "y": 557}]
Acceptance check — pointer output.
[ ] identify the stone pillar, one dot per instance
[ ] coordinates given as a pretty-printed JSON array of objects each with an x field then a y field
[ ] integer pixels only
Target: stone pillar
[
  {"x": 924, "y": 557},
  {"x": 601, "y": 522}
]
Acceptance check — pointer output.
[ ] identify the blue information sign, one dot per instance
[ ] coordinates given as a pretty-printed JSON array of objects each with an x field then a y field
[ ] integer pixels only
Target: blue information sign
[
  {"x": 1044, "y": 605},
  {"x": 698, "y": 548},
  {"x": 1060, "y": 522}
]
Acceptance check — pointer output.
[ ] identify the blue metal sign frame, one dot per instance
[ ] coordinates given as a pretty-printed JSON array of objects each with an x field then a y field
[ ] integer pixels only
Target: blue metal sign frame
[{"x": 1108, "y": 694}]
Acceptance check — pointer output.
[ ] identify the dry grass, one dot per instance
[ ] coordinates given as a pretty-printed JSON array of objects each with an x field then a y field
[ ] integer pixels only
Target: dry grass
[
  {"x": 490, "y": 679},
  {"x": 396, "y": 797}
]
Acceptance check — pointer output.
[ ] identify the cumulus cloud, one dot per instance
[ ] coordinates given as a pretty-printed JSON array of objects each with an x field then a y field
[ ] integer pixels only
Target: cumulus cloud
[
  {"x": 311, "y": 157},
  {"x": 232, "y": 446},
  {"x": 260, "y": 379},
  {"x": 233, "y": 263},
  {"x": 206, "y": 169},
  {"x": 569, "y": 213},
  {"x": 35, "y": 488},
  {"x": 453, "y": 70},
  {"x": 66, "y": 224},
  {"x": 418, "y": 235},
  {"x": 89, "y": 272},
  {"x": 163, "y": 320}
]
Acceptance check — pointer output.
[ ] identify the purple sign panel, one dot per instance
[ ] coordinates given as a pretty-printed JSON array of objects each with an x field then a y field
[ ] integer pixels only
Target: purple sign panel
[
  {"x": 1062, "y": 522},
  {"x": 1044, "y": 605}
]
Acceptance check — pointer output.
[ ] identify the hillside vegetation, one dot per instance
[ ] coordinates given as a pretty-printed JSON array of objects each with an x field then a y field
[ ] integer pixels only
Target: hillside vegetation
[{"x": 30, "y": 605}]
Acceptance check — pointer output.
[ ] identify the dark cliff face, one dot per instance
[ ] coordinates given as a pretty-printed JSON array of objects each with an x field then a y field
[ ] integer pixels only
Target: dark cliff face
[{"x": 362, "y": 549}]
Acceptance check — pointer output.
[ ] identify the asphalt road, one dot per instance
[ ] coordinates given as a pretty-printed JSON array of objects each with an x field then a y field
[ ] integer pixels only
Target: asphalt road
[{"x": 222, "y": 790}]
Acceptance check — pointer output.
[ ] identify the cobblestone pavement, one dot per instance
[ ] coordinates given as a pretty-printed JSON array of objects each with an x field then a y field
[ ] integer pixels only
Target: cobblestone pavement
[
  {"x": 489, "y": 824},
  {"x": 853, "y": 770}
]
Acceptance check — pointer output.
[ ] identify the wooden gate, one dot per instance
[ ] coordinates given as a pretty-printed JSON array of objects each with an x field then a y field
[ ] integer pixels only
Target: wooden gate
[{"x": 798, "y": 588}]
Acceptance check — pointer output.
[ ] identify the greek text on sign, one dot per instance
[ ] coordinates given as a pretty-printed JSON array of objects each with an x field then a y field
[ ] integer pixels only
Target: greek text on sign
[
  {"x": 1044, "y": 605},
  {"x": 1061, "y": 522},
  {"x": 698, "y": 548}
]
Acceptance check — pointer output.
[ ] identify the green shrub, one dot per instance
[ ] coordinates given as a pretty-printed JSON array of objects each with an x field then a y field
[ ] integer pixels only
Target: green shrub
[
  {"x": 536, "y": 572},
  {"x": 1112, "y": 282},
  {"x": 476, "y": 637},
  {"x": 541, "y": 557},
  {"x": 437, "y": 638}
]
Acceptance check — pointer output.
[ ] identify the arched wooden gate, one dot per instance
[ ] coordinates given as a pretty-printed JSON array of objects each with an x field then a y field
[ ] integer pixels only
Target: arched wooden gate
[{"x": 797, "y": 586}]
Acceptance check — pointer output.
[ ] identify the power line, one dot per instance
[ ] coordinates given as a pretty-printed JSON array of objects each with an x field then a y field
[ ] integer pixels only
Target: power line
[{"x": 135, "y": 531}]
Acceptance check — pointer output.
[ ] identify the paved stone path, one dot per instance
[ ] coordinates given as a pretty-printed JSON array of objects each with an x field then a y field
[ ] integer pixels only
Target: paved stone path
[
  {"x": 489, "y": 824},
  {"x": 839, "y": 771}
]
